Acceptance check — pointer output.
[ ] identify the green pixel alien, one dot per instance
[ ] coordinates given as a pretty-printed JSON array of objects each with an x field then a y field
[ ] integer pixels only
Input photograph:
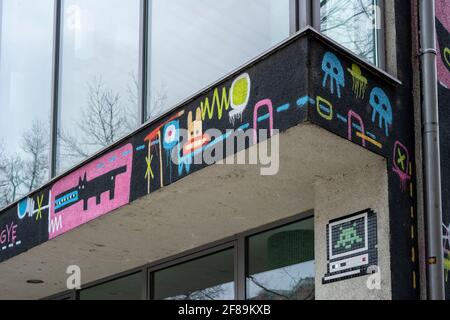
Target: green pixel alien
[{"x": 348, "y": 237}]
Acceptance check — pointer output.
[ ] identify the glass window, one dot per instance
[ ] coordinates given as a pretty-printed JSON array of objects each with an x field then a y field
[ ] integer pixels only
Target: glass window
[
  {"x": 281, "y": 263},
  {"x": 26, "y": 33},
  {"x": 99, "y": 71},
  {"x": 353, "y": 23},
  {"x": 194, "y": 43},
  {"x": 126, "y": 288},
  {"x": 208, "y": 278}
]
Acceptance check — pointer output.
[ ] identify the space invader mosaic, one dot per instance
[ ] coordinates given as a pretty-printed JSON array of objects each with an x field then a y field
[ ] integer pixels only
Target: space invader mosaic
[{"x": 352, "y": 246}]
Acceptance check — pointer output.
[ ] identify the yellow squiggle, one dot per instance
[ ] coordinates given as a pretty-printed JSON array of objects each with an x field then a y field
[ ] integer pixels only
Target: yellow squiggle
[
  {"x": 219, "y": 103},
  {"x": 447, "y": 56}
]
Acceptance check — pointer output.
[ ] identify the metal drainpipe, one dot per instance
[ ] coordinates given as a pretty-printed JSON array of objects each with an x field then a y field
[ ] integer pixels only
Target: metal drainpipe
[{"x": 431, "y": 152}]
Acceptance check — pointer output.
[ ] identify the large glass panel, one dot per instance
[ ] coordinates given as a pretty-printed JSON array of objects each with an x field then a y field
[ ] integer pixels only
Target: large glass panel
[
  {"x": 354, "y": 24},
  {"x": 99, "y": 71},
  {"x": 281, "y": 263},
  {"x": 208, "y": 278},
  {"x": 26, "y": 38},
  {"x": 127, "y": 288},
  {"x": 194, "y": 43}
]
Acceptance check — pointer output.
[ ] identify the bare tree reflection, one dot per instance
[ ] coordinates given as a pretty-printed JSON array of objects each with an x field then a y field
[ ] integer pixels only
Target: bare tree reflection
[
  {"x": 35, "y": 143},
  {"x": 350, "y": 22},
  {"x": 23, "y": 172},
  {"x": 302, "y": 290},
  {"x": 11, "y": 179},
  {"x": 214, "y": 293},
  {"x": 105, "y": 118},
  {"x": 158, "y": 102}
]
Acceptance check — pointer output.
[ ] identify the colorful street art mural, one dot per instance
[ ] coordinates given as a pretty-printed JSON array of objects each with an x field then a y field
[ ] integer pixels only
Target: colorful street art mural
[
  {"x": 305, "y": 80},
  {"x": 90, "y": 192},
  {"x": 352, "y": 246},
  {"x": 443, "y": 67},
  {"x": 368, "y": 112}
]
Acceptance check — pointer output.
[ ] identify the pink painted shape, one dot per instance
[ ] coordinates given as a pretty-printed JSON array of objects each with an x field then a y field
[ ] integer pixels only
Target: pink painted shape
[
  {"x": 404, "y": 176},
  {"x": 443, "y": 14},
  {"x": 352, "y": 114},
  {"x": 74, "y": 216},
  {"x": 262, "y": 103}
]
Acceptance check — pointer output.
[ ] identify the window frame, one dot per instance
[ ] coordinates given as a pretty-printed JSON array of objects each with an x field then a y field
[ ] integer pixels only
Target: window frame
[
  {"x": 113, "y": 278},
  {"x": 238, "y": 242},
  {"x": 380, "y": 37},
  {"x": 56, "y": 85},
  {"x": 187, "y": 257}
]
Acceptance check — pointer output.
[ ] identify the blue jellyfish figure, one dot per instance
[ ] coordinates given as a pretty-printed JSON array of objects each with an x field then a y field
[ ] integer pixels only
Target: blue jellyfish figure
[
  {"x": 332, "y": 68},
  {"x": 382, "y": 107}
]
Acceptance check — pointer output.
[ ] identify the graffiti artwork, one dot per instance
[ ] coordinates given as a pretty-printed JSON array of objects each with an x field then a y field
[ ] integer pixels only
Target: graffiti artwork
[
  {"x": 401, "y": 164},
  {"x": 239, "y": 97},
  {"x": 91, "y": 191},
  {"x": 364, "y": 113},
  {"x": 359, "y": 81},
  {"x": 8, "y": 236},
  {"x": 333, "y": 73},
  {"x": 351, "y": 246}
]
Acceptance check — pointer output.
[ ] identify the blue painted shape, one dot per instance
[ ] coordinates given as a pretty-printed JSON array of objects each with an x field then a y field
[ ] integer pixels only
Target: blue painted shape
[
  {"x": 126, "y": 153},
  {"x": 154, "y": 143},
  {"x": 172, "y": 144},
  {"x": 342, "y": 118},
  {"x": 264, "y": 117},
  {"x": 371, "y": 135},
  {"x": 382, "y": 107},
  {"x": 66, "y": 200},
  {"x": 334, "y": 72},
  {"x": 325, "y": 109},
  {"x": 357, "y": 127},
  {"x": 140, "y": 148},
  {"x": 283, "y": 108},
  {"x": 100, "y": 166},
  {"x": 22, "y": 208},
  {"x": 112, "y": 159},
  {"x": 303, "y": 101},
  {"x": 244, "y": 127}
]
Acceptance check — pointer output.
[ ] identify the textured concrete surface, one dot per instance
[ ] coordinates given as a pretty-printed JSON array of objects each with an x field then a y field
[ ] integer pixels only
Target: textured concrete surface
[{"x": 338, "y": 196}]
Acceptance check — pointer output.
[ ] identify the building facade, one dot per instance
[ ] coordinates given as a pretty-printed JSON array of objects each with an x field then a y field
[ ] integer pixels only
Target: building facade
[{"x": 266, "y": 149}]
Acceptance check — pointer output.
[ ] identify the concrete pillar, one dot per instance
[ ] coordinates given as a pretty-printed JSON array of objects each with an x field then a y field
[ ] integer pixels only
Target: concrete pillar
[{"x": 364, "y": 187}]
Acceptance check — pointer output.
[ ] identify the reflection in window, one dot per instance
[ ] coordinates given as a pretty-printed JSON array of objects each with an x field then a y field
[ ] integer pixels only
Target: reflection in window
[
  {"x": 99, "y": 87},
  {"x": 353, "y": 23},
  {"x": 208, "y": 278},
  {"x": 194, "y": 43},
  {"x": 281, "y": 263},
  {"x": 127, "y": 288},
  {"x": 26, "y": 33}
]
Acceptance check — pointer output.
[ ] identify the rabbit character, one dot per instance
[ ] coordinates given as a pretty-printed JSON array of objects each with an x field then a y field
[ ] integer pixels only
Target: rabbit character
[{"x": 196, "y": 138}]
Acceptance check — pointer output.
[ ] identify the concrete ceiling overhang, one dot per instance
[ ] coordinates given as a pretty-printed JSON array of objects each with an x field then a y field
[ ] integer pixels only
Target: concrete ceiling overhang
[{"x": 209, "y": 205}]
